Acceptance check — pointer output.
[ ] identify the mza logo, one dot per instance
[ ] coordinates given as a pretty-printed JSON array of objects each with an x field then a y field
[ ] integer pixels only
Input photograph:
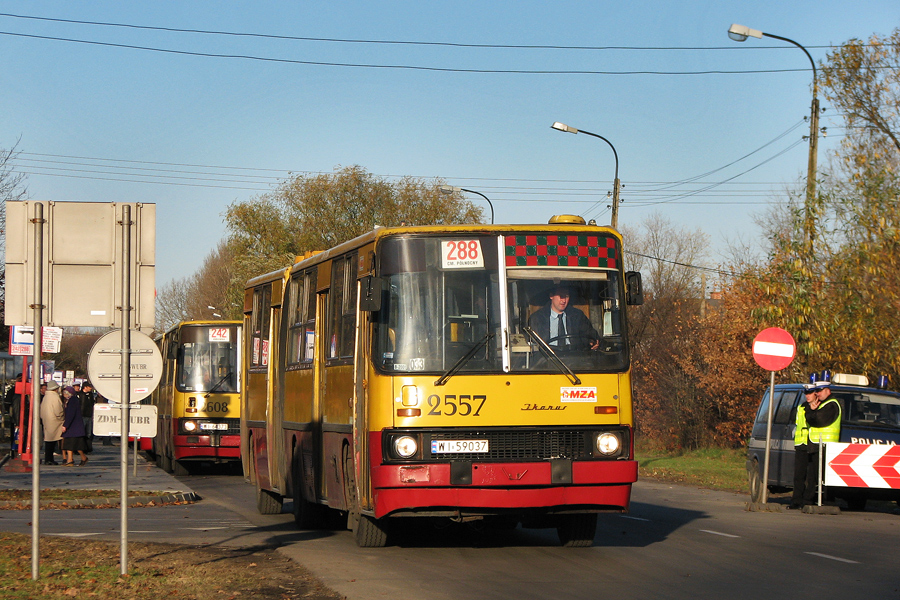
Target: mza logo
[{"x": 578, "y": 394}]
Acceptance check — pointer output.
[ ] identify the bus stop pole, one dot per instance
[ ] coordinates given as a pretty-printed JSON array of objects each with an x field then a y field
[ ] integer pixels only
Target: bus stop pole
[
  {"x": 36, "y": 390},
  {"x": 126, "y": 382},
  {"x": 765, "y": 477}
]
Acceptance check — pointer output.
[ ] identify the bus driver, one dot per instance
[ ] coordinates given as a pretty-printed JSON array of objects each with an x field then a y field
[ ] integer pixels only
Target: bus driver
[{"x": 560, "y": 324}]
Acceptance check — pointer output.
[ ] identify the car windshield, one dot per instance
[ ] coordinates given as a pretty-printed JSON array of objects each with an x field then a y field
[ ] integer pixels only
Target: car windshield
[{"x": 869, "y": 408}]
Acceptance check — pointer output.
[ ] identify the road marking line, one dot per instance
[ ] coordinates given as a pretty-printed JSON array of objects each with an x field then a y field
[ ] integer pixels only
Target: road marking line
[
  {"x": 719, "y": 533},
  {"x": 837, "y": 558},
  {"x": 75, "y": 535},
  {"x": 634, "y": 518}
]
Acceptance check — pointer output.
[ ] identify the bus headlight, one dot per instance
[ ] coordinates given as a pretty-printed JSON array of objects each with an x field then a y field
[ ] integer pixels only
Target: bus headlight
[
  {"x": 608, "y": 444},
  {"x": 405, "y": 446},
  {"x": 190, "y": 426}
]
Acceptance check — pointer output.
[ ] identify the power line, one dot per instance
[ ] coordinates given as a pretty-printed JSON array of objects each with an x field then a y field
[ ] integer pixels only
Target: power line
[
  {"x": 396, "y": 66},
  {"x": 731, "y": 47}
]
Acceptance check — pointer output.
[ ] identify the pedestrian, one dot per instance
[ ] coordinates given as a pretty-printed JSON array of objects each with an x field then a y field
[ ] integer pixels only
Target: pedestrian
[
  {"x": 52, "y": 417},
  {"x": 14, "y": 401},
  {"x": 73, "y": 429},
  {"x": 99, "y": 399},
  {"x": 818, "y": 421},
  {"x": 88, "y": 398}
]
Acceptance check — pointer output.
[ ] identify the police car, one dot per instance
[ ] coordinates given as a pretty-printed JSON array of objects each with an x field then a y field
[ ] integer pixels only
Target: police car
[{"x": 869, "y": 415}]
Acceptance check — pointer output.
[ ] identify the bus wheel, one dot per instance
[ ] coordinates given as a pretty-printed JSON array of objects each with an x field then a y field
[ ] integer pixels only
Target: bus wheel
[
  {"x": 577, "y": 531},
  {"x": 755, "y": 482},
  {"x": 267, "y": 503},
  {"x": 163, "y": 460},
  {"x": 180, "y": 469},
  {"x": 371, "y": 532}
]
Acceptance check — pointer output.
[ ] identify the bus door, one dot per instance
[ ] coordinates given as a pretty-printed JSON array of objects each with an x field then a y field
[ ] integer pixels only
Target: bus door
[
  {"x": 279, "y": 465},
  {"x": 274, "y": 430},
  {"x": 360, "y": 445},
  {"x": 319, "y": 384}
]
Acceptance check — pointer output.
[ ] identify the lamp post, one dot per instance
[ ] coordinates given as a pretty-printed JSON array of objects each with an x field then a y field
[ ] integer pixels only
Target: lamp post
[
  {"x": 614, "y": 220},
  {"x": 740, "y": 33},
  {"x": 449, "y": 189}
]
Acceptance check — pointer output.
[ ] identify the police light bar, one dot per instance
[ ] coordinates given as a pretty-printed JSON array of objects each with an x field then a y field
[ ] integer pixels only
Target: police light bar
[{"x": 847, "y": 379}]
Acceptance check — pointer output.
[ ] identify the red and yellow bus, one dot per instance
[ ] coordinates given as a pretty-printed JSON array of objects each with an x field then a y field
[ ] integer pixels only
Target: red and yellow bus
[
  {"x": 415, "y": 372},
  {"x": 198, "y": 398}
]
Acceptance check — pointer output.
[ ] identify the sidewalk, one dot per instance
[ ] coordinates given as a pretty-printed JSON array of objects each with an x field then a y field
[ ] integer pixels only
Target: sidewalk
[{"x": 102, "y": 472}]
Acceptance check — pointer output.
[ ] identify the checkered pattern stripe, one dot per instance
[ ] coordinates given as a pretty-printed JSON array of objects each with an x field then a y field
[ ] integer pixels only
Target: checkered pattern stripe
[{"x": 561, "y": 251}]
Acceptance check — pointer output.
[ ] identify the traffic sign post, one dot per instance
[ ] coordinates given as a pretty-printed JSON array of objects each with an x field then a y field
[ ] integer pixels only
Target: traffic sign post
[
  {"x": 773, "y": 350},
  {"x": 105, "y": 366},
  {"x": 142, "y": 422}
]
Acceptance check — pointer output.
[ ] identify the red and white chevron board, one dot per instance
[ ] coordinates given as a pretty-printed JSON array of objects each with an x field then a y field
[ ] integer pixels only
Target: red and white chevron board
[{"x": 862, "y": 465}]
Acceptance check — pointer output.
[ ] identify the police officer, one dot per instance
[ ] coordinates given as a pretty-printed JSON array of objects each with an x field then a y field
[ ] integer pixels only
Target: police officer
[{"x": 818, "y": 421}]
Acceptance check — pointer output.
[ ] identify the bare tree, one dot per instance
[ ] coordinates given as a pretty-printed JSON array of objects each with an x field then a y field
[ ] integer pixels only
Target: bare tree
[
  {"x": 12, "y": 188},
  {"x": 208, "y": 293},
  {"x": 171, "y": 303}
]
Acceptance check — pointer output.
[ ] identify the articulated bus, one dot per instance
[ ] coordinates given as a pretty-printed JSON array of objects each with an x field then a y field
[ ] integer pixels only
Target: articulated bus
[
  {"x": 416, "y": 372},
  {"x": 198, "y": 398}
]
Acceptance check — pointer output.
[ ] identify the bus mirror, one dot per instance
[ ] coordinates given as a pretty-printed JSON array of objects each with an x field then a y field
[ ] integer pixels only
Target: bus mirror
[
  {"x": 634, "y": 291},
  {"x": 370, "y": 288}
]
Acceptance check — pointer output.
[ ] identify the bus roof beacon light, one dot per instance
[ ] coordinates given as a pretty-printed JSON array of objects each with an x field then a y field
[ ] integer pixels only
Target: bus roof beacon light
[{"x": 740, "y": 33}]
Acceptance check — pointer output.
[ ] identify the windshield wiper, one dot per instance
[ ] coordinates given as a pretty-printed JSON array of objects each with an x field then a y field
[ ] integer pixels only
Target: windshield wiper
[
  {"x": 554, "y": 358},
  {"x": 218, "y": 383},
  {"x": 463, "y": 360}
]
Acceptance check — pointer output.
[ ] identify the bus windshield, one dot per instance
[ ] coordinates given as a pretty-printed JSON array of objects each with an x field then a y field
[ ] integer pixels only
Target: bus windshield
[
  {"x": 443, "y": 300},
  {"x": 576, "y": 315},
  {"x": 207, "y": 359}
]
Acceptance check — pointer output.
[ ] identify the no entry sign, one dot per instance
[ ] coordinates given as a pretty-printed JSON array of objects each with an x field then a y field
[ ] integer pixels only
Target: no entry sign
[{"x": 774, "y": 349}]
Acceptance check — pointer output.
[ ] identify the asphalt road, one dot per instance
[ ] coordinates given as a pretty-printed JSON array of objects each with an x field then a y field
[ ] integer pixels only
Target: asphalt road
[{"x": 677, "y": 542}]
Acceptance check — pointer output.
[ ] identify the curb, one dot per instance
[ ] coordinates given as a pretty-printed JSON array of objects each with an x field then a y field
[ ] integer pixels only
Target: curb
[{"x": 111, "y": 502}]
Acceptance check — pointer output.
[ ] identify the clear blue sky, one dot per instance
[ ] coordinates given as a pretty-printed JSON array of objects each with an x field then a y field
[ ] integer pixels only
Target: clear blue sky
[{"x": 195, "y": 133}]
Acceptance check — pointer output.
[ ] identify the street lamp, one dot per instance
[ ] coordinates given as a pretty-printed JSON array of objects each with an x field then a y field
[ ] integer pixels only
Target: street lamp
[
  {"x": 213, "y": 308},
  {"x": 449, "y": 189},
  {"x": 614, "y": 221},
  {"x": 740, "y": 33}
]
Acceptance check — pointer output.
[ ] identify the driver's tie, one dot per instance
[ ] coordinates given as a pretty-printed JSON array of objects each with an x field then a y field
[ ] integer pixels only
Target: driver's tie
[{"x": 562, "y": 329}]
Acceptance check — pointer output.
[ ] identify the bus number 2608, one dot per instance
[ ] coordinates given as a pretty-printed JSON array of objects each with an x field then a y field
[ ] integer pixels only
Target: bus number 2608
[{"x": 463, "y": 405}]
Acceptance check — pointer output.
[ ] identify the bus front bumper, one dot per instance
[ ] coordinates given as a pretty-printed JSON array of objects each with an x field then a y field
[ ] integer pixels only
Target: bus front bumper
[{"x": 502, "y": 487}]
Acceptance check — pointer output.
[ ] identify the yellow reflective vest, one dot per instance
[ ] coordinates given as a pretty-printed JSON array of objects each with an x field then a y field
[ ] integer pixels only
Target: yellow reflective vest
[{"x": 806, "y": 434}]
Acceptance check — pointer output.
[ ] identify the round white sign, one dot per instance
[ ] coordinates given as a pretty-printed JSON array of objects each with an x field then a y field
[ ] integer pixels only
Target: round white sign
[{"x": 105, "y": 366}]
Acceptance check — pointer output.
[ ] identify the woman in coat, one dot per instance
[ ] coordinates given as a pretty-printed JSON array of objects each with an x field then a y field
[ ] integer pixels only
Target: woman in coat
[
  {"x": 52, "y": 418},
  {"x": 73, "y": 439}
]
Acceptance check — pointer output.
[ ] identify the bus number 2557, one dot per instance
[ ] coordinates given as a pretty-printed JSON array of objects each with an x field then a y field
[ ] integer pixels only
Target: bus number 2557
[{"x": 463, "y": 405}]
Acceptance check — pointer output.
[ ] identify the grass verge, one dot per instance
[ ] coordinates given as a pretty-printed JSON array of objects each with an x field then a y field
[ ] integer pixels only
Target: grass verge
[
  {"x": 90, "y": 569},
  {"x": 711, "y": 468}
]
